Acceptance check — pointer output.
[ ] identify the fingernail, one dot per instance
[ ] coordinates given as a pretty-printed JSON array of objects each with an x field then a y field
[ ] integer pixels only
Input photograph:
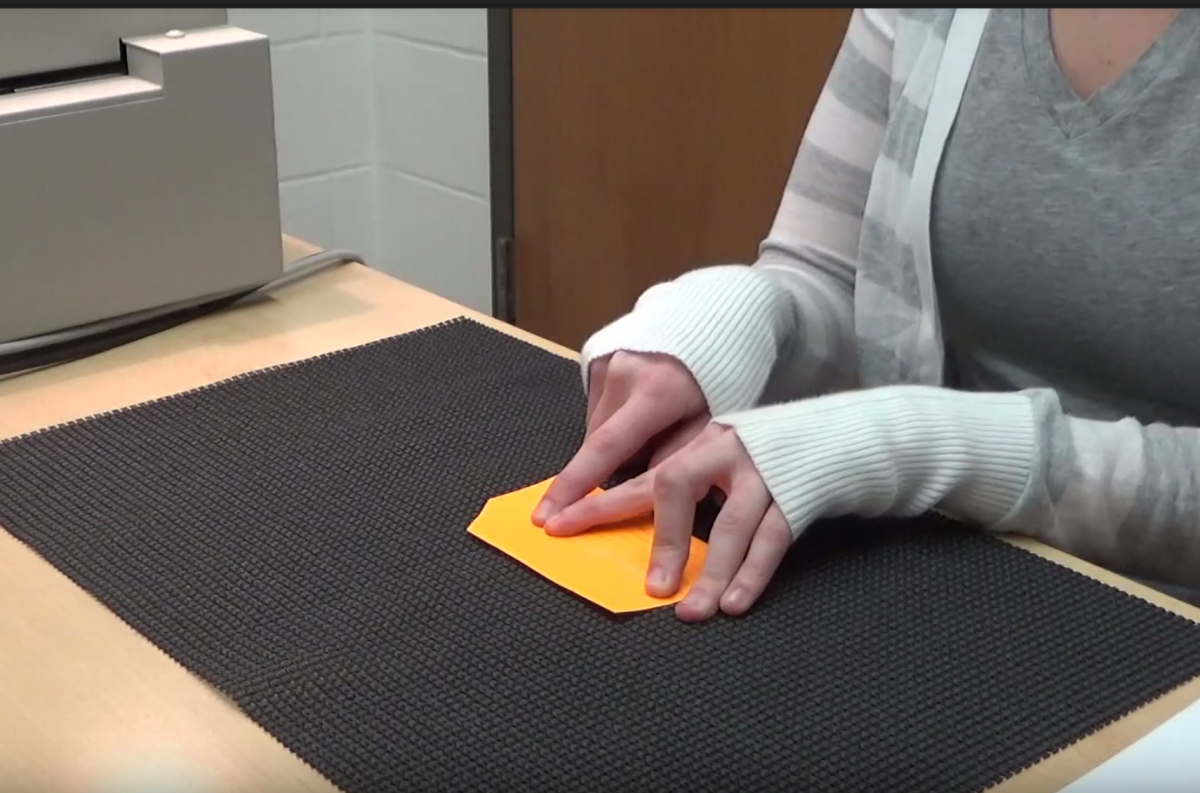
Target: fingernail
[
  {"x": 542, "y": 512},
  {"x": 691, "y": 608},
  {"x": 699, "y": 605},
  {"x": 657, "y": 579},
  {"x": 735, "y": 598}
]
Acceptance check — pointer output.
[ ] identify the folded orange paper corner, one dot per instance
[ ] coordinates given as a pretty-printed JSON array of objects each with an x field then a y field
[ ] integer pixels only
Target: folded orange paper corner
[{"x": 606, "y": 565}]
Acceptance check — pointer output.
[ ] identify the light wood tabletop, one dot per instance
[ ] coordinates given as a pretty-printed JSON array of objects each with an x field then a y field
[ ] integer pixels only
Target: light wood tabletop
[{"x": 86, "y": 703}]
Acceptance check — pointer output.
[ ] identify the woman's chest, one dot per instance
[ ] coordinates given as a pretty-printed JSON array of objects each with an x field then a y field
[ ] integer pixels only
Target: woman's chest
[{"x": 1066, "y": 239}]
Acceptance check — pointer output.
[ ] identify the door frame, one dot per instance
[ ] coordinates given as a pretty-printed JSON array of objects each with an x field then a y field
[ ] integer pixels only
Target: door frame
[{"x": 500, "y": 129}]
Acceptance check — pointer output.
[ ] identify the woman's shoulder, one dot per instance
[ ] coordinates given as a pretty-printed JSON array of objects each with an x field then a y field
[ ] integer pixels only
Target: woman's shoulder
[
  {"x": 910, "y": 33},
  {"x": 899, "y": 23}
]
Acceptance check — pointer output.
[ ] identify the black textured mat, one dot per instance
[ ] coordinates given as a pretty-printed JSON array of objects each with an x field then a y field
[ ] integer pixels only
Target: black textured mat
[{"x": 297, "y": 537}]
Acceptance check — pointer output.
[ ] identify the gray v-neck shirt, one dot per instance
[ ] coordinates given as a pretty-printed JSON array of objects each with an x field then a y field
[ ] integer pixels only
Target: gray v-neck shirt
[{"x": 1066, "y": 234}]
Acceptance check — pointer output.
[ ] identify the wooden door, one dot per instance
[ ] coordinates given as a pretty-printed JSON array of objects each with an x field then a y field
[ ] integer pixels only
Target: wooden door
[{"x": 647, "y": 142}]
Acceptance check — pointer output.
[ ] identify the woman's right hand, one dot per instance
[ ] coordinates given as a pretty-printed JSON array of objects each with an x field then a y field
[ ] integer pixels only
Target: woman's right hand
[{"x": 634, "y": 399}]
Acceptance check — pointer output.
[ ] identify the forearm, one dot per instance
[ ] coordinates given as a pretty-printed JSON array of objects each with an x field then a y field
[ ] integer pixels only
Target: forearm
[
  {"x": 813, "y": 245},
  {"x": 1121, "y": 494},
  {"x": 726, "y": 325},
  {"x": 784, "y": 327},
  {"x": 898, "y": 451},
  {"x": 820, "y": 356}
]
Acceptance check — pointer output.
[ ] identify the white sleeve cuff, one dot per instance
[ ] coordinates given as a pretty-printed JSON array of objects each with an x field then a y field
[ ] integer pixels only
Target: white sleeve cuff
[
  {"x": 726, "y": 324},
  {"x": 895, "y": 450}
]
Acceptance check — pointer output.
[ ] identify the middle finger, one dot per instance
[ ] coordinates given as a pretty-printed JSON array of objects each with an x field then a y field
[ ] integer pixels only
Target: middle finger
[
  {"x": 732, "y": 533},
  {"x": 679, "y": 483}
]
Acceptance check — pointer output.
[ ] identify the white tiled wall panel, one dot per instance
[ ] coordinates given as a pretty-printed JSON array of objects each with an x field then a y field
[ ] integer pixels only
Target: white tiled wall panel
[
  {"x": 460, "y": 28},
  {"x": 322, "y": 106},
  {"x": 382, "y": 132},
  {"x": 439, "y": 239},
  {"x": 437, "y": 129}
]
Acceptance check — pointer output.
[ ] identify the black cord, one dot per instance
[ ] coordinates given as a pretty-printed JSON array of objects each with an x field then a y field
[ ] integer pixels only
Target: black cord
[
  {"x": 75, "y": 349},
  {"x": 85, "y": 342}
]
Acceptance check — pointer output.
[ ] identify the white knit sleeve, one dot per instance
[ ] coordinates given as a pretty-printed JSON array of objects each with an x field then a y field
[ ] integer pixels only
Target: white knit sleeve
[
  {"x": 895, "y": 450},
  {"x": 725, "y": 324}
]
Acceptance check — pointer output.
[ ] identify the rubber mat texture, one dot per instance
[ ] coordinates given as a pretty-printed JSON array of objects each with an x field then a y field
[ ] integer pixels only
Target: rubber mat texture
[{"x": 297, "y": 537}]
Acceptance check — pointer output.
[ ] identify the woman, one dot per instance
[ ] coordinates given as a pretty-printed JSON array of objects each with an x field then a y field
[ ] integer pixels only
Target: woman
[{"x": 978, "y": 296}]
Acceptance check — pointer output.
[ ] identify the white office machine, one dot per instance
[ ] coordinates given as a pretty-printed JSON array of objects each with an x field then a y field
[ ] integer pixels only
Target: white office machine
[{"x": 137, "y": 167}]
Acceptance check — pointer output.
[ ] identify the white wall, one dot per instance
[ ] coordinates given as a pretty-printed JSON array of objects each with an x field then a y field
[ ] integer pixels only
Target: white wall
[{"x": 382, "y": 129}]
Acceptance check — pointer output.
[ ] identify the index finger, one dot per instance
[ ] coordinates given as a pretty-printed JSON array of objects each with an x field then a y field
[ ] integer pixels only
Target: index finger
[
  {"x": 604, "y": 451},
  {"x": 627, "y": 500},
  {"x": 679, "y": 483}
]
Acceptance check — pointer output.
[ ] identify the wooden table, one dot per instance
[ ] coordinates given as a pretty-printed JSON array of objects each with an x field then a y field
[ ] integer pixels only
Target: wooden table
[{"x": 84, "y": 700}]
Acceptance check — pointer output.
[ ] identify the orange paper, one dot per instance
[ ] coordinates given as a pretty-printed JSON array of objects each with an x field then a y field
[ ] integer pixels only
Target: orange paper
[{"x": 607, "y": 565}]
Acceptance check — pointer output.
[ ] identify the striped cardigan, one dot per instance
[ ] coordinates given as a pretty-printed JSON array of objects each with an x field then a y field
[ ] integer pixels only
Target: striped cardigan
[{"x": 842, "y": 298}]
